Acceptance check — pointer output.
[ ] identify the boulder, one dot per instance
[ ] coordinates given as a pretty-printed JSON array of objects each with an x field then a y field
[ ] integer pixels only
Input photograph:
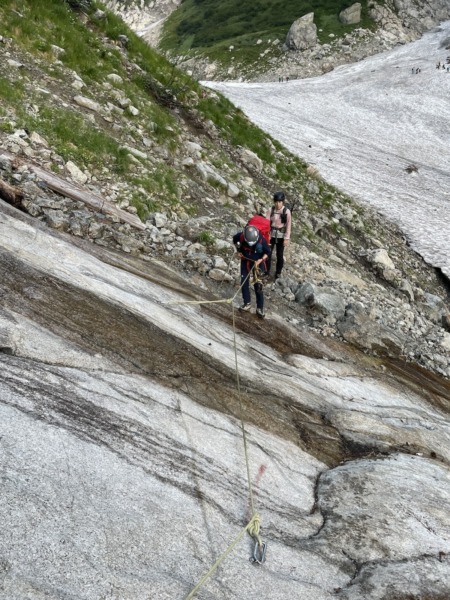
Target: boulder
[
  {"x": 351, "y": 15},
  {"x": 252, "y": 160},
  {"x": 324, "y": 300},
  {"x": 361, "y": 329},
  {"x": 75, "y": 173},
  {"x": 87, "y": 103},
  {"x": 433, "y": 307},
  {"x": 381, "y": 259},
  {"x": 208, "y": 173},
  {"x": 302, "y": 34}
]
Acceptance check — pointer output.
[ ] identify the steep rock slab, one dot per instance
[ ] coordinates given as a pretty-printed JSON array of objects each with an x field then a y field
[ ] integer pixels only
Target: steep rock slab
[{"x": 121, "y": 453}]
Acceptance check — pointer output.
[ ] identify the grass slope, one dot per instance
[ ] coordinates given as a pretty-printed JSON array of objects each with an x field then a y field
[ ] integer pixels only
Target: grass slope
[
  {"x": 164, "y": 95},
  {"x": 209, "y": 27}
]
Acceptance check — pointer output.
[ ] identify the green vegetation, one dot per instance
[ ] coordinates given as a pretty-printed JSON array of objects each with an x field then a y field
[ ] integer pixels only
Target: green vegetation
[
  {"x": 91, "y": 50},
  {"x": 237, "y": 129},
  {"x": 41, "y": 24},
  {"x": 154, "y": 192},
  {"x": 11, "y": 93},
  {"x": 163, "y": 95},
  {"x": 77, "y": 140},
  {"x": 327, "y": 199},
  {"x": 72, "y": 137},
  {"x": 209, "y": 27},
  {"x": 206, "y": 238}
]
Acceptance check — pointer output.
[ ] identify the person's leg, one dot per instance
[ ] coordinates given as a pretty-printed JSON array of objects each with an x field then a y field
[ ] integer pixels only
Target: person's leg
[
  {"x": 246, "y": 282},
  {"x": 280, "y": 257},
  {"x": 259, "y": 295},
  {"x": 269, "y": 259},
  {"x": 263, "y": 270}
]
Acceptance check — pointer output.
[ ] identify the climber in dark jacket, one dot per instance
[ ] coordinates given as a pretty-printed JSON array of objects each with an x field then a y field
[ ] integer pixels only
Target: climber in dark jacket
[{"x": 253, "y": 251}]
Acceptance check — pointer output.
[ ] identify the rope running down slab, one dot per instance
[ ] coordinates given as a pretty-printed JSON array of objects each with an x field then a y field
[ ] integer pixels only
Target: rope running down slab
[{"x": 254, "y": 525}]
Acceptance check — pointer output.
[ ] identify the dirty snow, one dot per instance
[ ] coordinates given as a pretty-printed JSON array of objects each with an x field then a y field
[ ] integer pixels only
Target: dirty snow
[{"x": 363, "y": 124}]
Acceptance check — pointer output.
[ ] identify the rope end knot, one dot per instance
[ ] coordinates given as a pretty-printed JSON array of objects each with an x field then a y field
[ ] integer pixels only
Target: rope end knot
[{"x": 259, "y": 552}]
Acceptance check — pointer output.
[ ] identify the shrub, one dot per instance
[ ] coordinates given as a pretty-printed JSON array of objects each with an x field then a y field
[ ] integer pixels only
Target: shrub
[{"x": 206, "y": 238}]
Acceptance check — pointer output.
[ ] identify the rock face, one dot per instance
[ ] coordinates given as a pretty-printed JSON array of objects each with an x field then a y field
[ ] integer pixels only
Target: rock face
[
  {"x": 146, "y": 18},
  {"x": 419, "y": 16},
  {"x": 302, "y": 34},
  {"x": 116, "y": 458}
]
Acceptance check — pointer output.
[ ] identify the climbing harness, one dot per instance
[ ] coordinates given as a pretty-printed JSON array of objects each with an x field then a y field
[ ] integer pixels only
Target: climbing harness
[
  {"x": 256, "y": 275},
  {"x": 254, "y": 525}
]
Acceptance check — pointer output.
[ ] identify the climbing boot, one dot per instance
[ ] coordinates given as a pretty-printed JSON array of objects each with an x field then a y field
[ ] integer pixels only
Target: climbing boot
[{"x": 245, "y": 307}]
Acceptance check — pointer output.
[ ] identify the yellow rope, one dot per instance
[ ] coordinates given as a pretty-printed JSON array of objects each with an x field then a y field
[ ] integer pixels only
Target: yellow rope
[
  {"x": 254, "y": 525},
  {"x": 254, "y": 528},
  {"x": 256, "y": 277},
  {"x": 224, "y": 555},
  {"x": 224, "y": 301},
  {"x": 244, "y": 434}
]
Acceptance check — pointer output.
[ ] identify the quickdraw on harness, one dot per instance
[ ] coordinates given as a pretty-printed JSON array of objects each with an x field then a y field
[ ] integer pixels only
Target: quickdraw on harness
[{"x": 256, "y": 276}]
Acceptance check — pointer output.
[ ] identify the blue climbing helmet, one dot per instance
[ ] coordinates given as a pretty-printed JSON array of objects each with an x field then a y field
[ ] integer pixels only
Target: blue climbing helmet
[{"x": 251, "y": 235}]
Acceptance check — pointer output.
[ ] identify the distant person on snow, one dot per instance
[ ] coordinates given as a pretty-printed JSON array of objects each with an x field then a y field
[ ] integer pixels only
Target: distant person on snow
[
  {"x": 280, "y": 230},
  {"x": 253, "y": 250}
]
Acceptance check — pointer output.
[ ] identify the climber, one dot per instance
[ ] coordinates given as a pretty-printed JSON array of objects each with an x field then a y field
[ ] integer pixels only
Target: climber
[
  {"x": 280, "y": 230},
  {"x": 253, "y": 250}
]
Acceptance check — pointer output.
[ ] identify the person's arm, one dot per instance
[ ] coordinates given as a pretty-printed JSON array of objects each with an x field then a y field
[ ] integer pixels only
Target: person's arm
[
  {"x": 260, "y": 260},
  {"x": 287, "y": 234},
  {"x": 237, "y": 244},
  {"x": 267, "y": 251}
]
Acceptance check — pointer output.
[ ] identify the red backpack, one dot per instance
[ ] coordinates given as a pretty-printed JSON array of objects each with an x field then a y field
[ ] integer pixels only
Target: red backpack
[{"x": 262, "y": 224}]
